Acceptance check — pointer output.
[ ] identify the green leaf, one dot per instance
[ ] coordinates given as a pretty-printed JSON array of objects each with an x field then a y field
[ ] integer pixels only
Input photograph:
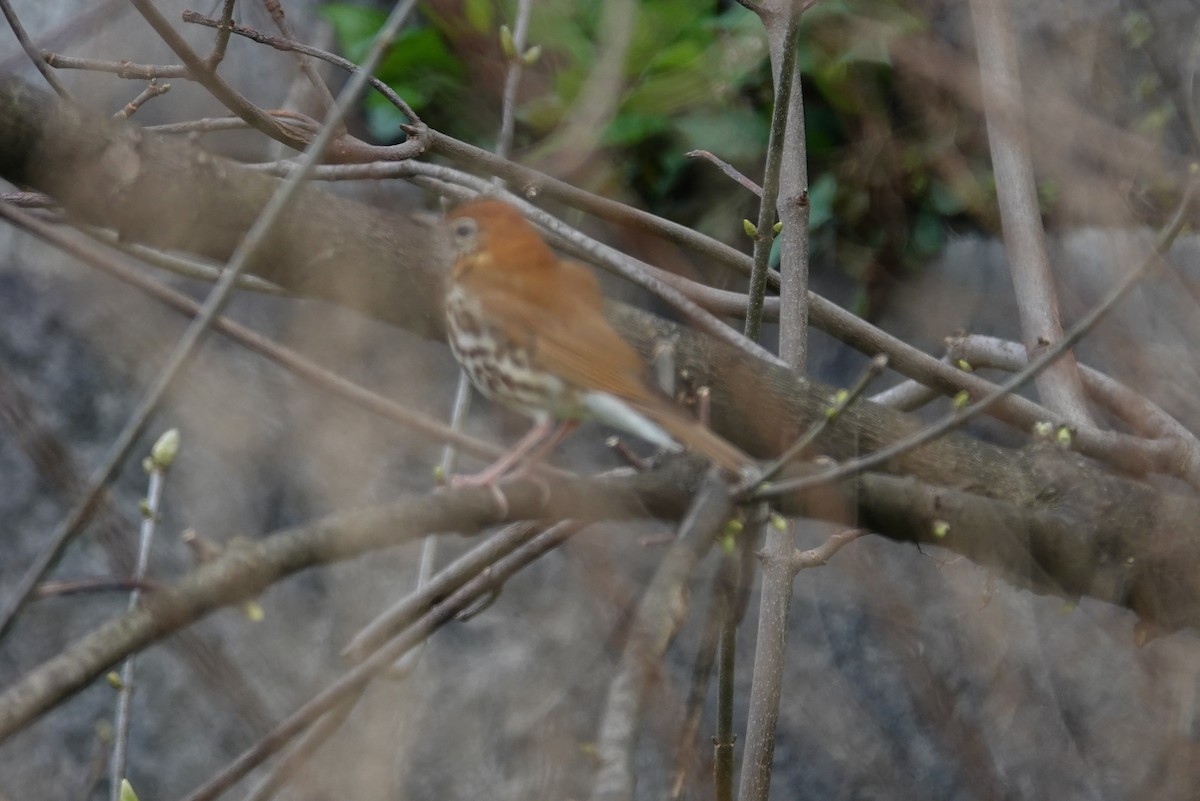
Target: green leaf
[
  {"x": 384, "y": 119},
  {"x": 734, "y": 134},
  {"x": 1138, "y": 27},
  {"x": 928, "y": 234},
  {"x": 419, "y": 51},
  {"x": 479, "y": 15},
  {"x": 631, "y": 128},
  {"x": 354, "y": 27},
  {"x": 821, "y": 194},
  {"x": 944, "y": 200}
]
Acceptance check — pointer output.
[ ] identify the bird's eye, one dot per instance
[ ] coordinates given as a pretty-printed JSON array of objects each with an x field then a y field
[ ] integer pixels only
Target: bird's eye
[{"x": 464, "y": 230}]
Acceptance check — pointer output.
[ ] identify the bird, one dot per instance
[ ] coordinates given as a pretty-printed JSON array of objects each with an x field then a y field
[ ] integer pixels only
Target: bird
[{"x": 528, "y": 328}]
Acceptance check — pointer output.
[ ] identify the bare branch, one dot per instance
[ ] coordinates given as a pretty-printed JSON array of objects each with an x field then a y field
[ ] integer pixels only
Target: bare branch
[
  {"x": 31, "y": 50},
  {"x": 726, "y": 168},
  {"x": 122, "y": 69},
  {"x": 1016, "y": 191}
]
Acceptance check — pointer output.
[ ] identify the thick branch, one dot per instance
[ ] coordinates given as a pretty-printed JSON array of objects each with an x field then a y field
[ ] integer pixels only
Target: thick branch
[{"x": 388, "y": 266}]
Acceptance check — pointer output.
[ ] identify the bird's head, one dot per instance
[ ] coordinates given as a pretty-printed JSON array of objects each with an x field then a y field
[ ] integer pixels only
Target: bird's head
[{"x": 493, "y": 231}]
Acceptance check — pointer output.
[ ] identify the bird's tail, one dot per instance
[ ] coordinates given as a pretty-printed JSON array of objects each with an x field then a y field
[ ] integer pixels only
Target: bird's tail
[
  {"x": 668, "y": 426},
  {"x": 704, "y": 440}
]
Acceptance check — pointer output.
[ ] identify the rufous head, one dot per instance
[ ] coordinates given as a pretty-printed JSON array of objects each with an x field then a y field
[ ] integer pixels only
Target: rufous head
[{"x": 496, "y": 228}]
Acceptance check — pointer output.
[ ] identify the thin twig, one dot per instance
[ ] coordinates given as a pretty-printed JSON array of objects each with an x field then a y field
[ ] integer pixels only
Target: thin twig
[
  {"x": 726, "y": 168},
  {"x": 31, "y": 50},
  {"x": 770, "y": 189},
  {"x": 222, "y": 41},
  {"x": 159, "y": 461},
  {"x": 766, "y": 681},
  {"x": 706, "y": 657},
  {"x": 841, "y": 402},
  {"x": 182, "y": 266},
  {"x": 820, "y": 556},
  {"x": 1135, "y": 409},
  {"x": 512, "y": 80},
  {"x": 449, "y": 579},
  {"x": 153, "y": 90},
  {"x": 907, "y": 396},
  {"x": 122, "y": 69},
  {"x": 57, "y": 589},
  {"x": 725, "y": 738}
]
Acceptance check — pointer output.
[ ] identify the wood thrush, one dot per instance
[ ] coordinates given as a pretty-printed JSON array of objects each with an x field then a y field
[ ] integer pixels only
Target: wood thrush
[{"x": 529, "y": 330}]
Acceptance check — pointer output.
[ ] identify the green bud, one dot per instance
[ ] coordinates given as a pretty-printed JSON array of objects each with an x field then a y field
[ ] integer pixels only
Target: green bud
[
  {"x": 940, "y": 529},
  {"x": 507, "y": 46},
  {"x": 531, "y": 56},
  {"x": 127, "y": 793},
  {"x": 114, "y": 680},
  {"x": 166, "y": 449},
  {"x": 750, "y": 228},
  {"x": 962, "y": 399},
  {"x": 1062, "y": 437},
  {"x": 777, "y": 227},
  {"x": 253, "y": 611},
  {"x": 964, "y": 365}
]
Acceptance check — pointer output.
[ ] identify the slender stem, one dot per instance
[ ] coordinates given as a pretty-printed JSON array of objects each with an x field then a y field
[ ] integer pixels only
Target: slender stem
[
  {"x": 770, "y": 193},
  {"x": 840, "y": 404},
  {"x": 1059, "y": 385},
  {"x": 767, "y": 680},
  {"x": 149, "y": 525},
  {"x": 218, "y": 52},
  {"x": 31, "y": 50},
  {"x": 792, "y": 208},
  {"x": 512, "y": 80},
  {"x": 725, "y": 740}
]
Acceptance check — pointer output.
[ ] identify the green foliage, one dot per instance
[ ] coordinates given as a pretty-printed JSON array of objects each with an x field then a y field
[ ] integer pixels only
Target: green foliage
[
  {"x": 885, "y": 185},
  {"x": 686, "y": 83},
  {"x": 419, "y": 65}
]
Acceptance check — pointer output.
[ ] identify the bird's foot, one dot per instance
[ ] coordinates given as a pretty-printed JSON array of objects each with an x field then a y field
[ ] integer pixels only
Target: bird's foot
[{"x": 490, "y": 482}]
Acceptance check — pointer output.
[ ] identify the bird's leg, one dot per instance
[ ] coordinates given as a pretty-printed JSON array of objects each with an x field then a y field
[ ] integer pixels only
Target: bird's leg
[
  {"x": 541, "y": 452},
  {"x": 491, "y": 474},
  {"x": 545, "y": 449}
]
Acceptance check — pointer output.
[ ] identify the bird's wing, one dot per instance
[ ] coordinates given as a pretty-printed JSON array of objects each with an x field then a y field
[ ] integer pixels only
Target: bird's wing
[{"x": 567, "y": 335}]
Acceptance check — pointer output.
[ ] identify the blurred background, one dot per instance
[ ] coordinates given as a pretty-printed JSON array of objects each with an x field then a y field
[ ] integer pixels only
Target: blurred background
[{"x": 910, "y": 674}]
